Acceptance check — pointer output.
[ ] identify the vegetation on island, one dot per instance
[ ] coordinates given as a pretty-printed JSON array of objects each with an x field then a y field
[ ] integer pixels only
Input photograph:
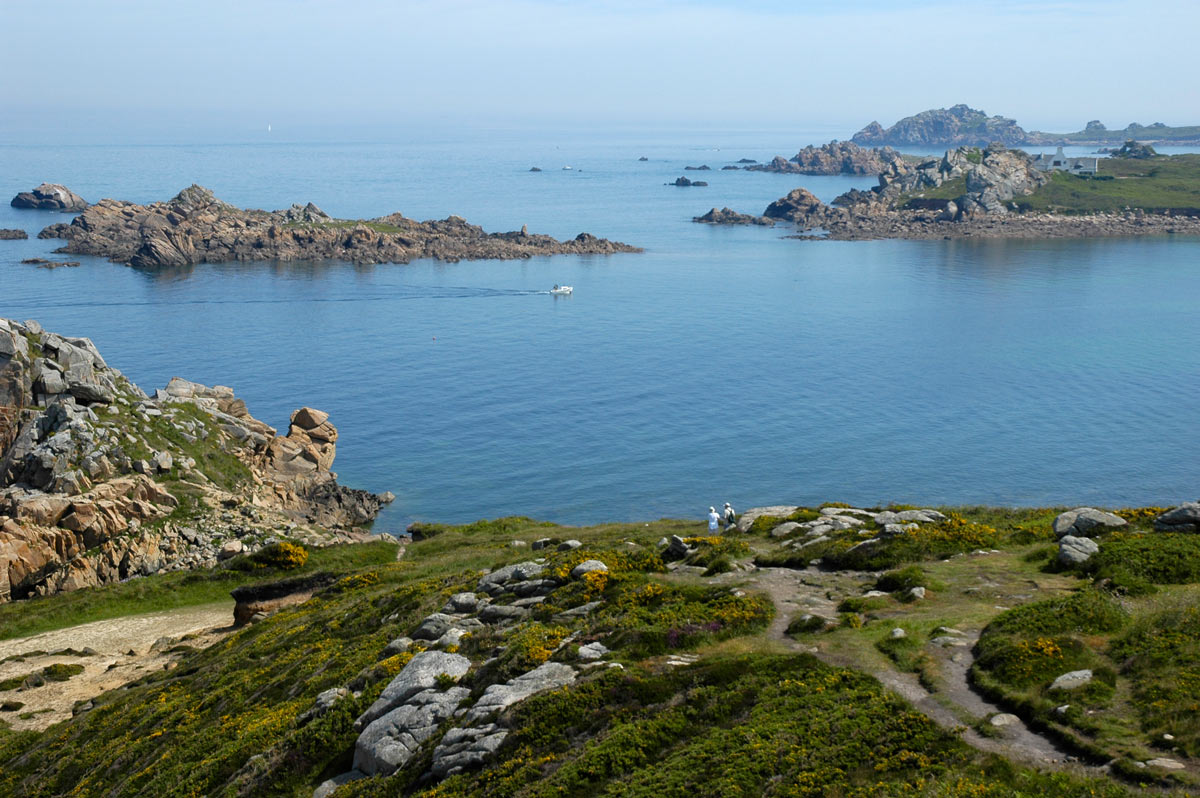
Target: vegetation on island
[
  {"x": 1166, "y": 183},
  {"x": 703, "y": 693}
]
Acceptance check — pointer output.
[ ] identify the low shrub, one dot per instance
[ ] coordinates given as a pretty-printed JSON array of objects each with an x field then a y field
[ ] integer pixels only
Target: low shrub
[
  {"x": 1034, "y": 661},
  {"x": 955, "y": 535},
  {"x": 1084, "y": 612},
  {"x": 283, "y": 555},
  {"x": 863, "y": 604},
  {"x": 61, "y": 671},
  {"x": 1134, "y": 559},
  {"x": 905, "y": 579}
]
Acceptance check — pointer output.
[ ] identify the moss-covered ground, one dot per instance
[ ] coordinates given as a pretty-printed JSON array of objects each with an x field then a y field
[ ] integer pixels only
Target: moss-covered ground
[{"x": 749, "y": 717}]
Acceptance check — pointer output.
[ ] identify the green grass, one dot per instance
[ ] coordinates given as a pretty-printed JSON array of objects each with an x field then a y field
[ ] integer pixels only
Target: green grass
[
  {"x": 1135, "y": 561},
  {"x": 1158, "y": 184},
  {"x": 346, "y": 224},
  {"x": 170, "y": 591}
]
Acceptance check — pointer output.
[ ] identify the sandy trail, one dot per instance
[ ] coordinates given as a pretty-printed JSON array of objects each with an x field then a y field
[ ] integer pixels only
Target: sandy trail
[{"x": 124, "y": 649}]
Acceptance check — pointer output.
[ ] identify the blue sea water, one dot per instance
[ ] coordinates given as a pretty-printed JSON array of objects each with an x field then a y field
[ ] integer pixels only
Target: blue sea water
[{"x": 722, "y": 364}]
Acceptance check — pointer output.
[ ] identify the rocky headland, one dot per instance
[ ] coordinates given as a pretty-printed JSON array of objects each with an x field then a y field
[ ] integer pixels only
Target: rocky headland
[
  {"x": 100, "y": 482},
  {"x": 50, "y": 197},
  {"x": 195, "y": 227},
  {"x": 834, "y": 158},
  {"x": 967, "y": 193}
]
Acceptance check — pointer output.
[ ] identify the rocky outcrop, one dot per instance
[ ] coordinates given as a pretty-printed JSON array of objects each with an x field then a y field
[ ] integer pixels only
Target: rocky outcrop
[
  {"x": 50, "y": 197},
  {"x": 90, "y": 467},
  {"x": 834, "y": 158},
  {"x": 8, "y": 234},
  {"x": 1132, "y": 149},
  {"x": 944, "y": 127},
  {"x": 1184, "y": 518},
  {"x": 683, "y": 182},
  {"x": 730, "y": 216},
  {"x": 254, "y": 600},
  {"x": 195, "y": 227},
  {"x": 798, "y": 206}
]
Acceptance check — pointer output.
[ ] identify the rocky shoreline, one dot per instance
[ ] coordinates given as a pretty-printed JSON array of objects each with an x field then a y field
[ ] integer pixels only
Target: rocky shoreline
[
  {"x": 100, "y": 482},
  {"x": 195, "y": 227},
  {"x": 967, "y": 193}
]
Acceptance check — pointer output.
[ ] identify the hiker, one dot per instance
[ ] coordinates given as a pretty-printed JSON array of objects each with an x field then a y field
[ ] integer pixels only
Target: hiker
[
  {"x": 730, "y": 516},
  {"x": 713, "y": 519}
]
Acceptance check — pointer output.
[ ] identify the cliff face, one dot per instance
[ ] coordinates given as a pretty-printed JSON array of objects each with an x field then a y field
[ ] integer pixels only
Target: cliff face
[
  {"x": 100, "y": 482},
  {"x": 196, "y": 227},
  {"x": 956, "y": 126}
]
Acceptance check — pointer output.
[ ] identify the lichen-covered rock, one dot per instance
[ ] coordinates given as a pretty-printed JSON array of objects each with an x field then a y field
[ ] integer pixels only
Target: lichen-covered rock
[
  {"x": 421, "y": 673},
  {"x": 466, "y": 748},
  {"x": 388, "y": 742},
  {"x": 1073, "y": 550},
  {"x": 589, "y": 567},
  {"x": 548, "y": 676}
]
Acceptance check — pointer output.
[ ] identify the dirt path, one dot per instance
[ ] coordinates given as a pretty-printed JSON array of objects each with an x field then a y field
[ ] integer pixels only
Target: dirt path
[
  {"x": 125, "y": 649},
  {"x": 795, "y": 592}
]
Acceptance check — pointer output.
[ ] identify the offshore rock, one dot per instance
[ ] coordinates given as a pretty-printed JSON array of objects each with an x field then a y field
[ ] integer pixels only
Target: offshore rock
[
  {"x": 50, "y": 197},
  {"x": 195, "y": 227},
  {"x": 730, "y": 216},
  {"x": 8, "y": 234}
]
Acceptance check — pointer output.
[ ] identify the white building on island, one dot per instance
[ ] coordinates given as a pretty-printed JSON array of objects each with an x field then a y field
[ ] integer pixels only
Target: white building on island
[{"x": 1059, "y": 162}]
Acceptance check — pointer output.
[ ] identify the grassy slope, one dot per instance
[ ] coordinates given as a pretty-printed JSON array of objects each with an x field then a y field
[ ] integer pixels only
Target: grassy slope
[
  {"x": 1162, "y": 183},
  {"x": 169, "y": 591},
  {"x": 743, "y": 721}
]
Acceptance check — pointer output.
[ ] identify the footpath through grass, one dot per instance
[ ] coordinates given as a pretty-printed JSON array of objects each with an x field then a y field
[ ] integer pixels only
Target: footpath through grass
[{"x": 173, "y": 590}]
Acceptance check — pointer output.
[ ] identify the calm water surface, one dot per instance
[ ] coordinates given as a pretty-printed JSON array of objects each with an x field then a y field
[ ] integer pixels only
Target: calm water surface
[{"x": 721, "y": 364}]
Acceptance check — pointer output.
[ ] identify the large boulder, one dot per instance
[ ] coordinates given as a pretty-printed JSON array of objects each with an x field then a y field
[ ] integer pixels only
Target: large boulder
[
  {"x": 1086, "y": 522},
  {"x": 50, "y": 197},
  {"x": 1184, "y": 518},
  {"x": 799, "y": 205},
  {"x": 1074, "y": 550}
]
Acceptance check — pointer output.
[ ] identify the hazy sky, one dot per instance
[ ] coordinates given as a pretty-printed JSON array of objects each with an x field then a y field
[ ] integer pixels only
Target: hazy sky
[{"x": 148, "y": 65}]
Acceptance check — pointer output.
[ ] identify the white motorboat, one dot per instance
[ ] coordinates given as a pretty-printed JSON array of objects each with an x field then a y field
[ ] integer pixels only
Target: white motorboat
[{"x": 561, "y": 290}]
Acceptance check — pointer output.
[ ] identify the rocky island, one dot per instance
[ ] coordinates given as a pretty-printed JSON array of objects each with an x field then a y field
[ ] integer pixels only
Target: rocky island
[
  {"x": 195, "y": 227},
  {"x": 997, "y": 192},
  {"x": 961, "y": 125},
  {"x": 50, "y": 197},
  {"x": 834, "y": 158},
  {"x": 100, "y": 482}
]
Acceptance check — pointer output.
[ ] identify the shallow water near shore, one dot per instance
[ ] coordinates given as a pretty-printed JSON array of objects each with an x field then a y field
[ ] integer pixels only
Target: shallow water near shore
[{"x": 721, "y": 364}]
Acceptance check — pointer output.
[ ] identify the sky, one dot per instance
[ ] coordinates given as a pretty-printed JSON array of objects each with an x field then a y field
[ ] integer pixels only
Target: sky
[{"x": 149, "y": 67}]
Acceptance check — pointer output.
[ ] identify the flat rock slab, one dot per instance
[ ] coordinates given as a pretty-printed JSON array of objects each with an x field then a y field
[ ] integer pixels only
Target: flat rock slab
[
  {"x": 421, "y": 673},
  {"x": 388, "y": 742}
]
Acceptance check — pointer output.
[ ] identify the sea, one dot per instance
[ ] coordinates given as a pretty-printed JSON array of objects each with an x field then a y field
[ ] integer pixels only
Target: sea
[{"x": 720, "y": 364}]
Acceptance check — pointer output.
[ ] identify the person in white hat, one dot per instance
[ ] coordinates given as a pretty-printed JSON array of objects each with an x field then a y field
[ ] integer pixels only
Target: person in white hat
[
  {"x": 713, "y": 519},
  {"x": 730, "y": 516}
]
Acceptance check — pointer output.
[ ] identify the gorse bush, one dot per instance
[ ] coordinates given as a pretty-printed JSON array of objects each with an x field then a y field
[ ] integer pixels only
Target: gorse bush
[{"x": 283, "y": 555}]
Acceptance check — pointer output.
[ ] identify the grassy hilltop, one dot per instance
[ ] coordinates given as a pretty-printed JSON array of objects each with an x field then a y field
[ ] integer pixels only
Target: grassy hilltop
[{"x": 721, "y": 679}]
